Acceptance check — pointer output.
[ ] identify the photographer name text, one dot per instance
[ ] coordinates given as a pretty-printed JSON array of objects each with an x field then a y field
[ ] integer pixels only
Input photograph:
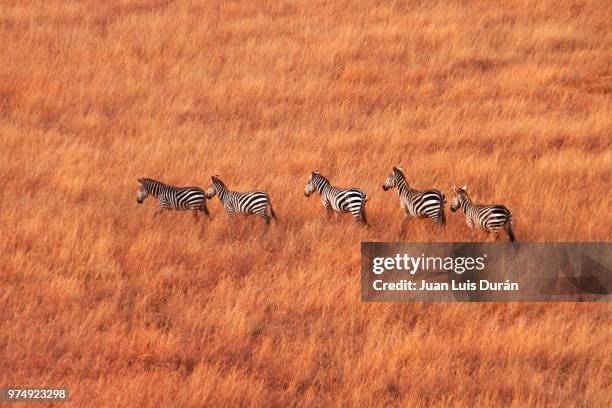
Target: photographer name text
[{"x": 423, "y": 285}]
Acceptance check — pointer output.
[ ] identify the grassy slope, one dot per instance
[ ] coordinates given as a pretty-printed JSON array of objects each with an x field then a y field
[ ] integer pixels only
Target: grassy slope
[{"x": 96, "y": 295}]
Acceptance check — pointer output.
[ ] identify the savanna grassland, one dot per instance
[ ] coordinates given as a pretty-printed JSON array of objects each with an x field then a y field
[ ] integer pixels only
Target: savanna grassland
[{"x": 512, "y": 99}]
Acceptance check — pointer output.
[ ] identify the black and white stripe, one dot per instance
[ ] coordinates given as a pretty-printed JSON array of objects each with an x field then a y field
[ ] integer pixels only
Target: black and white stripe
[
  {"x": 341, "y": 200},
  {"x": 171, "y": 197},
  {"x": 415, "y": 203},
  {"x": 490, "y": 218},
  {"x": 252, "y": 202}
]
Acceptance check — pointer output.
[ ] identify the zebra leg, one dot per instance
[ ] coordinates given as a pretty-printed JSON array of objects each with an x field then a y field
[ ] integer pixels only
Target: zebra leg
[
  {"x": 469, "y": 222},
  {"x": 436, "y": 220},
  {"x": 495, "y": 234},
  {"x": 229, "y": 211},
  {"x": 263, "y": 213},
  {"x": 357, "y": 216},
  {"x": 328, "y": 209},
  {"x": 195, "y": 214},
  {"x": 162, "y": 206},
  {"x": 404, "y": 225}
]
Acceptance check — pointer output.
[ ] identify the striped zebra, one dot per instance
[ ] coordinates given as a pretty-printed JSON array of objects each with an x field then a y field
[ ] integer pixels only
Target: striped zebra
[
  {"x": 490, "y": 218},
  {"x": 171, "y": 197},
  {"x": 341, "y": 200},
  {"x": 415, "y": 203},
  {"x": 252, "y": 202}
]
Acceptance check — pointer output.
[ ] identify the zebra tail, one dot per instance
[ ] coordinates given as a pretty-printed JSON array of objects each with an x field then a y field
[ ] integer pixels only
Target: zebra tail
[
  {"x": 442, "y": 214},
  {"x": 364, "y": 219},
  {"x": 272, "y": 213},
  {"x": 509, "y": 228}
]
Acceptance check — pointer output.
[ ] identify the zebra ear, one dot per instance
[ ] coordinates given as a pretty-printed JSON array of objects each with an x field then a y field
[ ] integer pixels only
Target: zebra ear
[
  {"x": 455, "y": 189},
  {"x": 464, "y": 188},
  {"x": 140, "y": 180}
]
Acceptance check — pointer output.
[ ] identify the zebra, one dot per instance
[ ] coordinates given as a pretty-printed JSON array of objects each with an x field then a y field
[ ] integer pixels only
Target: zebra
[
  {"x": 234, "y": 202},
  {"x": 341, "y": 200},
  {"x": 490, "y": 218},
  {"x": 415, "y": 203},
  {"x": 171, "y": 197}
]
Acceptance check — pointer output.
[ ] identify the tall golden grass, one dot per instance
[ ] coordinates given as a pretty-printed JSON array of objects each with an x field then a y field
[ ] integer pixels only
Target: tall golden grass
[{"x": 512, "y": 99}]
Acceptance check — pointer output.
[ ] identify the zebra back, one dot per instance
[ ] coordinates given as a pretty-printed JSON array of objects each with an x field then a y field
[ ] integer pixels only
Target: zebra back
[
  {"x": 250, "y": 202},
  {"x": 489, "y": 217},
  {"x": 172, "y": 197},
  {"x": 337, "y": 198},
  {"x": 417, "y": 203}
]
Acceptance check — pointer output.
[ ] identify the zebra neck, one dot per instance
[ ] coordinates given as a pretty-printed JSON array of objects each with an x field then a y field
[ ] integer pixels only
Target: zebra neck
[
  {"x": 402, "y": 186},
  {"x": 221, "y": 189},
  {"x": 466, "y": 204},
  {"x": 325, "y": 189},
  {"x": 322, "y": 184},
  {"x": 154, "y": 187}
]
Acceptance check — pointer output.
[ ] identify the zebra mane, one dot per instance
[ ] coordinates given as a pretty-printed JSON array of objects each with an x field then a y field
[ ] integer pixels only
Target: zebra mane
[
  {"x": 151, "y": 186},
  {"x": 217, "y": 183},
  {"x": 462, "y": 195},
  {"x": 147, "y": 182},
  {"x": 318, "y": 178},
  {"x": 400, "y": 178},
  {"x": 461, "y": 191}
]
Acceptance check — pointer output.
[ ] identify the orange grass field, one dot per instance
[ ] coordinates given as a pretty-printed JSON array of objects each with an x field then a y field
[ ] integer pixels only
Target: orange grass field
[{"x": 511, "y": 98}]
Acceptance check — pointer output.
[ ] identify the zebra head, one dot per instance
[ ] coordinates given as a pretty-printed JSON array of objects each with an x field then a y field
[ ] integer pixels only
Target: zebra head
[
  {"x": 215, "y": 187},
  {"x": 460, "y": 197},
  {"x": 311, "y": 186},
  {"x": 143, "y": 191},
  {"x": 394, "y": 179}
]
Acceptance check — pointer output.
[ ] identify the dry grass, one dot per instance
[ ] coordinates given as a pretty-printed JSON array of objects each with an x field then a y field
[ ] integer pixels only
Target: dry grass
[{"x": 128, "y": 311}]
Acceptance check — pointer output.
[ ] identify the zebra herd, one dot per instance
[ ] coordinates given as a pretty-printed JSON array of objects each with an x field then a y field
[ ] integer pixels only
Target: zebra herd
[{"x": 415, "y": 203}]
